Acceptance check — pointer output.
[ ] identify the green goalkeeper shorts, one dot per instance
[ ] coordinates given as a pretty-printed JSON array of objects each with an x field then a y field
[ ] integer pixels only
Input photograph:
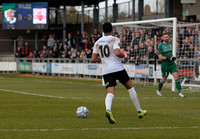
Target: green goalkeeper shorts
[{"x": 167, "y": 68}]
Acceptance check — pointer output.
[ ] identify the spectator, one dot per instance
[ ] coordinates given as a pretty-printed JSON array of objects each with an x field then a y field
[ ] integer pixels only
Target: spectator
[
  {"x": 78, "y": 41},
  {"x": 70, "y": 42},
  {"x": 50, "y": 42},
  {"x": 64, "y": 52},
  {"x": 96, "y": 32},
  {"x": 22, "y": 50},
  {"x": 20, "y": 40},
  {"x": 137, "y": 39},
  {"x": 27, "y": 49},
  {"x": 124, "y": 41},
  {"x": 114, "y": 32},
  {"x": 135, "y": 54},
  {"x": 129, "y": 35},
  {"x": 150, "y": 53},
  {"x": 69, "y": 55},
  {"x": 55, "y": 52},
  {"x": 83, "y": 54},
  {"x": 44, "y": 54},
  {"x": 18, "y": 52},
  {"x": 44, "y": 48},
  {"x": 142, "y": 51},
  {"x": 85, "y": 44},
  {"x": 35, "y": 53},
  {"x": 74, "y": 53},
  {"x": 30, "y": 56},
  {"x": 132, "y": 40},
  {"x": 89, "y": 53},
  {"x": 191, "y": 52},
  {"x": 50, "y": 53},
  {"x": 44, "y": 40},
  {"x": 59, "y": 45},
  {"x": 129, "y": 50}
]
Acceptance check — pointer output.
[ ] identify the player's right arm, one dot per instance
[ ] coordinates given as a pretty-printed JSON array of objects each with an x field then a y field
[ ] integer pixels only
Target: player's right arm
[
  {"x": 118, "y": 52},
  {"x": 95, "y": 56}
]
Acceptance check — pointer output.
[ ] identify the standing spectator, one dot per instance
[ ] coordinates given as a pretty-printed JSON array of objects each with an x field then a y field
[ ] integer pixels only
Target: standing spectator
[
  {"x": 20, "y": 40},
  {"x": 18, "y": 52},
  {"x": 27, "y": 49},
  {"x": 50, "y": 42},
  {"x": 69, "y": 41},
  {"x": 132, "y": 40},
  {"x": 96, "y": 32},
  {"x": 191, "y": 52},
  {"x": 137, "y": 39},
  {"x": 22, "y": 50},
  {"x": 44, "y": 40},
  {"x": 114, "y": 32},
  {"x": 124, "y": 41},
  {"x": 78, "y": 41},
  {"x": 129, "y": 50},
  {"x": 142, "y": 51},
  {"x": 135, "y": 53},
  {"x": 85, "y": 44}
]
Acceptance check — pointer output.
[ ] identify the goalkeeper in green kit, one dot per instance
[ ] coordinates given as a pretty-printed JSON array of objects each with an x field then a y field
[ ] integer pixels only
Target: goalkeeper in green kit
[{"x": 168, "y": 65}]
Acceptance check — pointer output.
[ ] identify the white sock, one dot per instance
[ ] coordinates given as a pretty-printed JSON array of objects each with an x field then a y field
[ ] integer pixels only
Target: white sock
[
  {"x": 108, "y": 101},
  {"x": 135, "y": 99}
]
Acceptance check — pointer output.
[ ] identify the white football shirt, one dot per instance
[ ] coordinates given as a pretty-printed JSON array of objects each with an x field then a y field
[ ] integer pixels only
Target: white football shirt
[{"x": 105, "y": 48}]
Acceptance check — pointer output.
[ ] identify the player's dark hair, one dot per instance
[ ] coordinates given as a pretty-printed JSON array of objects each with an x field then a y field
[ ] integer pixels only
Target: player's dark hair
[
  {"x": 165, "y": 33},
  {"x": 107, "y": 27}
]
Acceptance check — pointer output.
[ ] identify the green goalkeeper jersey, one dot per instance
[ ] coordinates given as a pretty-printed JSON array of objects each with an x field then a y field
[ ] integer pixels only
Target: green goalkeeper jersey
[{"x": 165, "y": 50}]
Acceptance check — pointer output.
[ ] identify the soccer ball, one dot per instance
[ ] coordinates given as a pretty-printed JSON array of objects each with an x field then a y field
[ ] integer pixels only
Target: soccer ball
[{"x": 82, "y": 112}]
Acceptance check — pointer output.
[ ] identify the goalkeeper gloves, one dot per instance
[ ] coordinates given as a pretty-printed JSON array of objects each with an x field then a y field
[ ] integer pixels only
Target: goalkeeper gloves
[{"x": 171, "y": 58}]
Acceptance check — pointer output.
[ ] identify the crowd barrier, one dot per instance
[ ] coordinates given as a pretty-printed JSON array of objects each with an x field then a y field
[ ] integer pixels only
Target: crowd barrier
[{"x": 81, "y": 67}]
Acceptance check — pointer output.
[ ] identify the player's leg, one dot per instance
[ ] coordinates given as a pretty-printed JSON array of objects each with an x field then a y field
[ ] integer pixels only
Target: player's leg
[
  {"x": 109, "y": 97},
  {"x": 123, "y": 77},
  {"x": 178, "y": 83},
  {"x": 110, "y": 83},
  {"x": 165, "y": 73},
  {"x": 108, "y": 102},
  {"x": 134, "y": 98},
  {"x": 174, "y": 73},
  {"x": 160, "y": 85}
]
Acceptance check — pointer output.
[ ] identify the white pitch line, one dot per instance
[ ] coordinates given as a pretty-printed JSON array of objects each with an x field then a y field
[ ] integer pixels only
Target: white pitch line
[
  {"x": 100, "y": 129},
  {"x": 34, "y": 94},
  {"x": 76, "y": 98}
]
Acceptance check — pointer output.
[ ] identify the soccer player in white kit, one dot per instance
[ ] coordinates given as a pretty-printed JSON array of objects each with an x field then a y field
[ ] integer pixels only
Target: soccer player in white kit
[{"x": 107, "y": 50}]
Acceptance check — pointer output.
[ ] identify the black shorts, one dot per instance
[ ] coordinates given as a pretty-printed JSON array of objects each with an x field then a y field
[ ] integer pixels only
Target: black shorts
[{"x": 111, "y": 78}]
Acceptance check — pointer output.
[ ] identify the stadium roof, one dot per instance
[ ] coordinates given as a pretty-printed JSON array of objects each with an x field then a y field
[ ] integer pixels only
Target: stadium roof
[{"x": 53, "y": 3}]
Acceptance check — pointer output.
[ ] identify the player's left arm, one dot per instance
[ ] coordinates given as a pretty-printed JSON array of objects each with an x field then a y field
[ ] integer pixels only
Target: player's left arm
[{"x": 95, "y": 58}]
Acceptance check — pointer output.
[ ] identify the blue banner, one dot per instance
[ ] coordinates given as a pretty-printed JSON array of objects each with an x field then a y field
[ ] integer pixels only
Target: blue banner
[{"x": 142, "y": 71}]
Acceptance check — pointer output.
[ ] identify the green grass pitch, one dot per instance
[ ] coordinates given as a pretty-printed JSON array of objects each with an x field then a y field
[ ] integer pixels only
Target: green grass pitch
[{"x": 40, "y": 107}]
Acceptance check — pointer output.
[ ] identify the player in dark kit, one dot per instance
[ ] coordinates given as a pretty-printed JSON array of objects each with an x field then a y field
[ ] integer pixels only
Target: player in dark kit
[{"x": 168, "y": 65}]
